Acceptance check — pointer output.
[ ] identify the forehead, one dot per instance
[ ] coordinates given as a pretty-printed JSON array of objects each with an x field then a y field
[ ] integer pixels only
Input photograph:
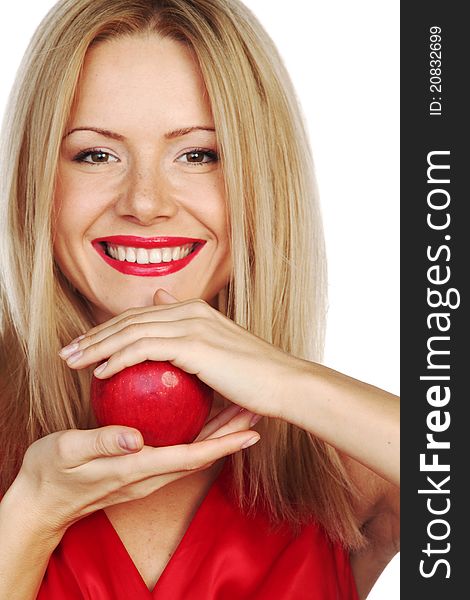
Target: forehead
[{"x": 135, "y": 79}]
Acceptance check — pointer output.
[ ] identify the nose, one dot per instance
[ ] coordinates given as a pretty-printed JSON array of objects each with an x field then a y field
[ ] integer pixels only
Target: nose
[{"x": 147, "y": 198}]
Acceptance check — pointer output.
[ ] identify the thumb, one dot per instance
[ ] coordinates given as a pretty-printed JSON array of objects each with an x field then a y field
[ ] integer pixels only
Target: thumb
[
  {"x": 114, "y": 440},
  {"x": 80, "y": 446},
  {"x": 161, "y": 296}
]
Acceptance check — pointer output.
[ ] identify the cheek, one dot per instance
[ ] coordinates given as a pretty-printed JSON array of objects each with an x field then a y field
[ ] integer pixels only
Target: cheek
[
  {"x": 71, "y": 221},
  {"x": 68, "y": 232},
  {"x": 63, "y": 240},
  {"x": 75, "y": 208},
  {"x": 222, "y": 210},
  {"x": 216, "y": 214},
  {"x": 61, "y": 227},
  {"x": 64, "y": 200},
  {"x": 203, "y": 197}
]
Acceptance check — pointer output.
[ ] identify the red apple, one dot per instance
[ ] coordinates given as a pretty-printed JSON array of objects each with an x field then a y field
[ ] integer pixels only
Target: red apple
[{"x": 166, "y": 404}]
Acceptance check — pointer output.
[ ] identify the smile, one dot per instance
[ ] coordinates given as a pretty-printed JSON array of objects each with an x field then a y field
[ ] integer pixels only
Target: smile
[{"x": 147, "y": 257}]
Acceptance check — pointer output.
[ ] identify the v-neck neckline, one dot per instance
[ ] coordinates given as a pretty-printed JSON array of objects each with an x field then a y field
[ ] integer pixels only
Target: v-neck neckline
[{"x": 179, "y": 548}]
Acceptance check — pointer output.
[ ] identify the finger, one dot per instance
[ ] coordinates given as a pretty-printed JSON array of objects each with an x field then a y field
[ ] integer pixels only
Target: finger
[
  {"x": 125, "y": 315},
  {"x": 146, "y": 486},
  {"x": 177, "y": 310},
  {"x": 188, "y": 457},
  {"x": 125, "y": 324},
  {"x": 147, "y": 315},
  {"x": 90, "y": 352},
  {"x": 161, "y": 296},
  {"x": 244, "y": 420},
  {"x": 156, "y": 349},
  {"x": 150, "y": 462},
  {"x": 76, "y": 447},
  {"x": 184, "y": 308},
  {"x": 220, "y": 419}
]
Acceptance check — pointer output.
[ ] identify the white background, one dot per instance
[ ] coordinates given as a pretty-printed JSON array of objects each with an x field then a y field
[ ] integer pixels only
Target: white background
[{"x": 344, "y": 61}]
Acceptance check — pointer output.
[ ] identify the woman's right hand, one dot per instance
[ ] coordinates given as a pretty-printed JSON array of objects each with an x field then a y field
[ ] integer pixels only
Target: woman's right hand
[{"x": 69, "y": 474}]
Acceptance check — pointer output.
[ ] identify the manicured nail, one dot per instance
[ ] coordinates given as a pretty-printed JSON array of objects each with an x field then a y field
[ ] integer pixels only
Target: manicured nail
[
  {"x": 232, "y": 410},
  {"x": 68, "y": 350},
  {"x": 169, "y": 296},
  {"x": 250, "y": 442},
  {"x": 128, "y": 441},
  {"x": 74, "y": 357},
  {"x": 100, "y": 369},
  {"x": 255, "y": 419},
  {"x": 77, "y": 339}
]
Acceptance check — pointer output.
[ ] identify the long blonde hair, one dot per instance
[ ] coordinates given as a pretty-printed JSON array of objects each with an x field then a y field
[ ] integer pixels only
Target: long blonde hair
[{"x": 277, "y": 289}]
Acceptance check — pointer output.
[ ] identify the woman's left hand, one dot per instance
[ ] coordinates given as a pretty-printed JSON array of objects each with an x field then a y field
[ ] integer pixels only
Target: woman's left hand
[{"x": 195, "y": 337}]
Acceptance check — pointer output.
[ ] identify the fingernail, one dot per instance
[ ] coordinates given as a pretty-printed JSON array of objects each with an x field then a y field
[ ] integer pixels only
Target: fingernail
[
  {"x": 100, "y": 369},
  {"x": 68, "y": 350},
  {"x": 233, "y": 409},
  {"x": 251, "y": 442},
  {"x": 74, "y": 357},
  {"x": 255, "y": 419},
  {"x": 167, "y": 293},
  {"x": 128, "y": 441},
  {"x": 77, "y": 339}
]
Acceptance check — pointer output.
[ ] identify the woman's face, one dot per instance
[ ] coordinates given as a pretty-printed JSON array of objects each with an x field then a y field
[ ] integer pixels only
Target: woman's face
[{"x": 133, "y": 198}]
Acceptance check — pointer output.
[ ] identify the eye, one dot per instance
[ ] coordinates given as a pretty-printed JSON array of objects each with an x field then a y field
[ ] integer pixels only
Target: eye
[
  {"x": 96, "y": 156},
  {"x": 197, "y": 157}
]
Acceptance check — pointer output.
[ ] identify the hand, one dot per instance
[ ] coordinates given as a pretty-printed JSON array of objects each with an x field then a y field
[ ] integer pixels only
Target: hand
[
  {"x": 69, "y": 474},
  {"x": 197, "y": 338}
]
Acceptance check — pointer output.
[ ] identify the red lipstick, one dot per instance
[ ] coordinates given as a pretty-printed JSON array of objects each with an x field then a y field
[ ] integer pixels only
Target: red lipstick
[{"x": 150, "y": 269}]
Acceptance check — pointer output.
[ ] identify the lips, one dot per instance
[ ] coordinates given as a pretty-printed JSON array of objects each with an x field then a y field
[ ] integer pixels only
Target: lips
[{"x": 102, "y": 246}]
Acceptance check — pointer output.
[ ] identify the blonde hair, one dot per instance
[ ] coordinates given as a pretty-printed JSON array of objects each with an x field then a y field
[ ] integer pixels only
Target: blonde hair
[{"x": 277, "y": 289}]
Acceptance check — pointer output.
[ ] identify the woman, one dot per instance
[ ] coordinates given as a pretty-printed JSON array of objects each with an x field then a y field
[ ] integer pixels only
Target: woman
[{"x": 157, "y": 120}]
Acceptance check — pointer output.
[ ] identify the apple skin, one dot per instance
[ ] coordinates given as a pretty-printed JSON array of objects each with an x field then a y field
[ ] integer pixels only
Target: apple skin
[{"x": 166, "y": 404}]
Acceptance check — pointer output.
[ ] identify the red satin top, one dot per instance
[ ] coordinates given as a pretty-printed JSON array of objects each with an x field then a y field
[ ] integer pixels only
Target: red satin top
[{"x": 222, "y": 556}]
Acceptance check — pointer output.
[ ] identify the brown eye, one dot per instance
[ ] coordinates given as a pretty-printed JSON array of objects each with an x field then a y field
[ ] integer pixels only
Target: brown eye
[
  {"x": 99, "y": 156},
  {"x": 95, "y": 157},
  {"x": 195, "y": 156},
  {"x": 199, "y": 157}
]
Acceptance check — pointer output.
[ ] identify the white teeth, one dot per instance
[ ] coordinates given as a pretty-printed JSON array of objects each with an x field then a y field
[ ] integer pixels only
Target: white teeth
[
  {"x": 142, "y": 256},
  {"x": 166, "y": 254},
  {"x": 154, "y": 255},
  {"x": 130, "y": 255}
]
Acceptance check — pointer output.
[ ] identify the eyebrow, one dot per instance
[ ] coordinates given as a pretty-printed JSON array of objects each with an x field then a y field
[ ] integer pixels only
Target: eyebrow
[{"x": 116, "y": 136}]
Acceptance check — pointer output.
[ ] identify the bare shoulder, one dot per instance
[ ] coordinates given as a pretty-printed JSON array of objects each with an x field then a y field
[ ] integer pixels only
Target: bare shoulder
[{"x": 378, "y": 510}]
